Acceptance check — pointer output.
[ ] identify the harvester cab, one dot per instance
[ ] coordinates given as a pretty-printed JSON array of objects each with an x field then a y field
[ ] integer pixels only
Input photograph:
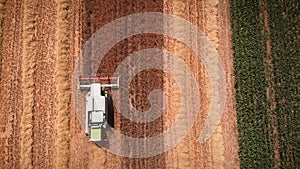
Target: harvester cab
[{"x": 99, "y": 105}]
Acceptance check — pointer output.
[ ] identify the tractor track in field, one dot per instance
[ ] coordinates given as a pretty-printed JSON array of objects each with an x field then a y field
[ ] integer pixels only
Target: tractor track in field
[{"x": 37, "y": 118}]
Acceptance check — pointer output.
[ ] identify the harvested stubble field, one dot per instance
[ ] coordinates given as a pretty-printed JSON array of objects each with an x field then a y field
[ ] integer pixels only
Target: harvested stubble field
[{"x": 40, "y": 43}]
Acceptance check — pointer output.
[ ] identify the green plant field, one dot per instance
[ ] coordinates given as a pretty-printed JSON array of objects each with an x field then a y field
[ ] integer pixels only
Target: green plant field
[
  {"x": 285, "y": 38},
  {"x": 255, "y": 126}
]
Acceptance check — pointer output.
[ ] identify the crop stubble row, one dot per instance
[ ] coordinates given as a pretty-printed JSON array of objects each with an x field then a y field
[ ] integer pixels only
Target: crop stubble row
[{"x": 11, "y": 96}]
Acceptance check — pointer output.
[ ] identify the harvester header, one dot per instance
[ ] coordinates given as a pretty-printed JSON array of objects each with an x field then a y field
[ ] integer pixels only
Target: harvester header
[{"x": 105, "y": 81}]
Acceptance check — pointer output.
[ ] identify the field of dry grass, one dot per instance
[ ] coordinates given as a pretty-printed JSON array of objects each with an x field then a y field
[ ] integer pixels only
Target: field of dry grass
[{"x": 41, "y": 41}]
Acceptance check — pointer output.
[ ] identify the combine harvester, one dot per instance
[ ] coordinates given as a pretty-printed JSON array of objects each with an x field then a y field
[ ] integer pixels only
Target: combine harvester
[{"x": 99, "y": 106}]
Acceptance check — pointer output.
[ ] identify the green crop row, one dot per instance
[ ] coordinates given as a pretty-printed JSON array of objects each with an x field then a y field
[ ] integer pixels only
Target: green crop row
[
  {"x": 256, "y": 143},
  {"x": 284, "y": 23}
]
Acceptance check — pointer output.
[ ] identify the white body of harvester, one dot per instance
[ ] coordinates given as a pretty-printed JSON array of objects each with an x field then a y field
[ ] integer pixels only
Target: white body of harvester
[
  {"x": 96, "y": 105},
  {"x": 95, "y": 112}
]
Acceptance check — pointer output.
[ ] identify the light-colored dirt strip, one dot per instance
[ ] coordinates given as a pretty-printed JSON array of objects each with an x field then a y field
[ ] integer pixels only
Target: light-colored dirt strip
[
  {"x": 181, "y": 8},
  {"x": 62, "y": 80},
  {"x": 270, "y": 80},
  {"x": 211, "y": 31},
  {"x": 28, "y": 85},
  {"x": 229, "y": 119}
]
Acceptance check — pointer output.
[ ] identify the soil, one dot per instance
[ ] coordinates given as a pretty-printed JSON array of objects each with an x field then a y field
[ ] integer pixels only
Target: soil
[
  {"x": 270, "y": 79},
  {"x": 39, "y": 127}
]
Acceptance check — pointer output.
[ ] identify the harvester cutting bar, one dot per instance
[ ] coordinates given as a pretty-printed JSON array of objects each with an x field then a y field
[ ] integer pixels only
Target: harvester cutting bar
[
  {"x": 105, "y": 81},
  {"x": 97, "y": 78},
  {"x": 102, "y": 85}
]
